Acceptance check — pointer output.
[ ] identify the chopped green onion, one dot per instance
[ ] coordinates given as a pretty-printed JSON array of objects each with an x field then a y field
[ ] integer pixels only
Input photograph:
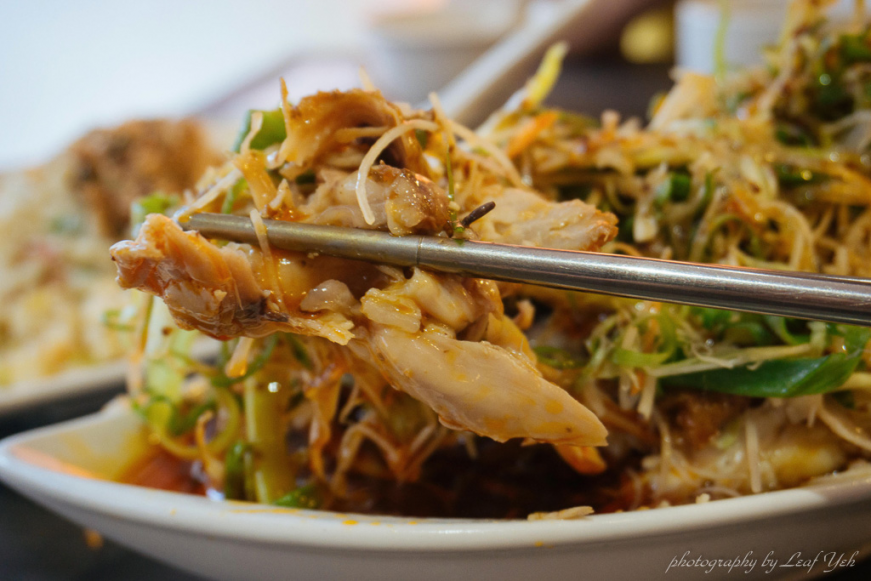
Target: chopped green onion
[
  {"x": 790, "y": 177},
  {"x": 557, "y": 358},
  {"x": 226, "y": 352},
  {"x": 733, "y": 327},
  {"x": 298, "y": 350},
  {"x": 625, "y": 230},
  {"x": 832, "y": 99},
  {"x": 422, "y": 137},
  {"x": 748, "y": 333},
  {"x": 783, "y": 377},
  {"x": 734, "y": 100},
  {"x": 779, "y": 326},
  {"x": 778, "y": 378},
  {"x": 157, "y": 411},
  {"x": 855, "y": 48},
  {"x": 111, "y": 320},
  {"x": 173, "y": 421},
  {"x": 667, "y": 347},
  {"x": 755, "y": 243},
  {"x": 407, "y": 417},
  {"x": 708, "y": 194},
  {"x": 676, "y": 188},
  {"x": 720, "y": 64},
  {"x": 183, "y": 423},
  {"x": 456, "y": 230},
  {"x": 574, "y": 191},
  {"x": 233, "y": 195},
  {"x": 272, "y": 474},
  {"x": 305, "y": 178},
  {"x": 155, "y": 203},
  {"x": 793, "y": 135},
  {"x": 234, "y": 471},
  {"x": 845, "y": 398},
  {"x": 259, "y": 362},
  {"x": 728, "y": 436},
  {"x": 307, "y": 496},
  {"x": 711, "y": 319},
  {"x": 163, "y": 377},
  {"x": 629, "y": 358},
  {"x": 271, "y": 131}
]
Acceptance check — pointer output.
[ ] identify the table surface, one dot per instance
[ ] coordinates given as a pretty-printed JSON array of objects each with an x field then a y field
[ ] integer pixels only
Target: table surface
[{"x": 36, "y": 545}]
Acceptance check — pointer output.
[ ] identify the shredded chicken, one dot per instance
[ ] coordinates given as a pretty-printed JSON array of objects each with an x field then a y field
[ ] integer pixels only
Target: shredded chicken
[
  {"x": 766, "y": 168},
  {"x": 425, "y": 332},
  {"x": 403, "y": 202}
]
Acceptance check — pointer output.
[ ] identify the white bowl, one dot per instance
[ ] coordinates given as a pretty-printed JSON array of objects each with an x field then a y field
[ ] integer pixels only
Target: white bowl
[
  {"x": 67, "y": 468},
  {"x": 413, "y": 53}
]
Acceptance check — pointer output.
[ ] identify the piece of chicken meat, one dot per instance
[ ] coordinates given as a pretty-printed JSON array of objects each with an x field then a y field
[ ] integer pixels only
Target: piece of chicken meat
[{"x": 441, "y": 338}]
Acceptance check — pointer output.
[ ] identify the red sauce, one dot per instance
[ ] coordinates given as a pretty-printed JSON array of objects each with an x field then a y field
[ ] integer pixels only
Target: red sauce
[
  {"x": 505, "y": 481},
  {"x": 160, "y": 469}
]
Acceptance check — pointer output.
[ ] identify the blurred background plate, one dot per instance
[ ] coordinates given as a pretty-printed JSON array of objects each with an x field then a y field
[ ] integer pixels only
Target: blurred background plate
[
  {"x": 101, "y": 379},
  {"x": 74, "y": 383}
]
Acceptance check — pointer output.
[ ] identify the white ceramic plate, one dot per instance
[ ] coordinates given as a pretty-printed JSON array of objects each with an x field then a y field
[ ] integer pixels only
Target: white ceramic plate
[{"x": 67, "y": 468}]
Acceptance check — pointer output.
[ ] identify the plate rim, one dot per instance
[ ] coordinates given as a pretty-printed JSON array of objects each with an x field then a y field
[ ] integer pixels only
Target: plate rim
[
  {"x": 71, "y": 382},
  {"x": 249, "y": 522},
  {"x": 78, "y": 381}
]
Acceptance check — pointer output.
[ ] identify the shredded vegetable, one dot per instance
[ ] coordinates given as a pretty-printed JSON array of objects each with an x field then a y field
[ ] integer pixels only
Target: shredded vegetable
[{"x": 356, "y": 386}]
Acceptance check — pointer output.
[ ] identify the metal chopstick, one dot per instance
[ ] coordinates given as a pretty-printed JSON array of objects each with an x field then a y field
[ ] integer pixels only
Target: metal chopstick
[{"x": 833, "y": 299}]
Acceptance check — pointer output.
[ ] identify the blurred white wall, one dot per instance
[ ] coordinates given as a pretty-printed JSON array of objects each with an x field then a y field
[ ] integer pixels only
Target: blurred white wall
[{"x": 67, "y": 66}]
